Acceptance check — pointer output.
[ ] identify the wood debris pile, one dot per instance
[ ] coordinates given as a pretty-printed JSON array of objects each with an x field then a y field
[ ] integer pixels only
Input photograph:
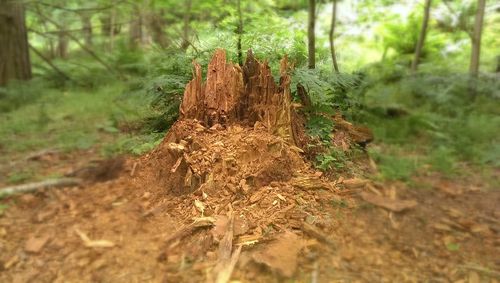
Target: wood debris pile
[{"x": 234, "y": 157}]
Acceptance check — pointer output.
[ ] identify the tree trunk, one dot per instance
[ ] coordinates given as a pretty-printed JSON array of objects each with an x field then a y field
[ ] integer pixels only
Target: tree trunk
[
  {"x": 310, "y": 34},
  {"x": 185, "y": 30},
  {"x": 240, "y": 33},
  {"x": 62, "y": 44},
  {"x": 135, "y": 27},
  {"x": 157, "y": 27},
  {"x": 111, "y": 33},
  {"x": 87, "y": 28},
  {"x": 476, "y": 39},
  {"x": 14, "y": 53},
  {"x": 421, "y": 38},
  {"x": 332, "y": 33}
]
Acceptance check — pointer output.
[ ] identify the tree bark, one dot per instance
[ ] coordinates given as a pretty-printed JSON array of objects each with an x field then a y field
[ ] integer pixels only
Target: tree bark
[
  {"x": 310, "y": 34},
  {"x": 421, "y": 38},
  {"x": 332, "y": 33},
  {"x": 185, "y": 30},
  {"x": 476, "y": 39},
  {"x": 14, "y": 53},
  {"x": 240, "y": 33}
]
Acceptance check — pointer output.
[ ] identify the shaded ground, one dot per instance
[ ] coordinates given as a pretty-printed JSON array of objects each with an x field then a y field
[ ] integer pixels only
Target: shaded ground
[{"x": 451, "y": 235}]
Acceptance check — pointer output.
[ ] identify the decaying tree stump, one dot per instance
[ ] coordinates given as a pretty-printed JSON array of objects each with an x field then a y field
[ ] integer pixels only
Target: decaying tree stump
[{"x": 246, "y": 95}]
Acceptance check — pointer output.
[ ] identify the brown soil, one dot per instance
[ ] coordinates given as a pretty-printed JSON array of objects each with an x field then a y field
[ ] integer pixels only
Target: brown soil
[{"x": 227, "y": 179}]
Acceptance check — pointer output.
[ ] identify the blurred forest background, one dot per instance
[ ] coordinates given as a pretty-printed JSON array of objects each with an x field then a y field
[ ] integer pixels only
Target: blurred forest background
[{"x": 107, "y": 75}]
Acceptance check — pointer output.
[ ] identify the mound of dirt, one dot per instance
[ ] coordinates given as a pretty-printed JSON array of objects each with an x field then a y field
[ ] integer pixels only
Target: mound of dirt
[
  {"x": 234, "y": 156},
  {"x": 228, "y": 191}
]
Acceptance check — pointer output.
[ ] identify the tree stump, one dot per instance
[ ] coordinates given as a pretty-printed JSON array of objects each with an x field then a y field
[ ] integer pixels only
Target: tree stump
[{"x": 247, "y": 96}]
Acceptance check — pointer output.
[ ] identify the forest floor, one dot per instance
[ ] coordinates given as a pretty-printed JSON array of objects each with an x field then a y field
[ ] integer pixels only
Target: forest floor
[{"x": 117, "y": 228}]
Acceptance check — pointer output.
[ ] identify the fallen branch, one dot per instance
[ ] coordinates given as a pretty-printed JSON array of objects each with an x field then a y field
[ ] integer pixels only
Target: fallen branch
[{"x": 50, "y": 183}]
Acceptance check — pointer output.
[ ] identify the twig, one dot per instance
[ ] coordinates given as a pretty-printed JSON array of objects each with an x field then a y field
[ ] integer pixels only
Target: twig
[
  {"x": 50, "y": 183},
  {"x": 133, "y": 169}
]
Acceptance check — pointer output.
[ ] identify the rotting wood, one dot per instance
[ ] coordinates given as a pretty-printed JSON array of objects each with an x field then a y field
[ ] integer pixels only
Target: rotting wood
[
  {"x": 245, "y": 95},
  {"x": 50, "y": 183},
  {"x": 226, "y": 259},
  {"x": 201, "y": 222}
]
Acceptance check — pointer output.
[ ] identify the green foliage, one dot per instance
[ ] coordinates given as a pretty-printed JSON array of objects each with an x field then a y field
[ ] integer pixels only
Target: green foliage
[
  {"x": 165, "y": 84},
  {"x": 19, "y": 176},
  {"x": 328, "y": 91},
  {"x": 431, "y": 117},
  {"x": 136, "y": 145},
  {"x": 332, "y": 159},
  {"x": 395, "y": 166},
  {"x": 73, "y": 119},
  {"x": 18, "y": 94}
]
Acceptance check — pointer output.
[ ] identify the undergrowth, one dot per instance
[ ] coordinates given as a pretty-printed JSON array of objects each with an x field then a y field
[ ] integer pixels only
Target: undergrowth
[{"x": 430, "y": 122}]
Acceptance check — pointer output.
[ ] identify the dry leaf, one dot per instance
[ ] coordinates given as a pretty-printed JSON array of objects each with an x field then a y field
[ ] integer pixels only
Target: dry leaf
[{"x": 392, "y": 205}]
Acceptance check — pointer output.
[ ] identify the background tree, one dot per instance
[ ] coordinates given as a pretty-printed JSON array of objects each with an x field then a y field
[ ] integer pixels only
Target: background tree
[
  {"x": 14, "y": 51},
  {"x": 421, "y": 38},
  {"x": 310, "y": 34},
  {"x": 331, "y": 36},
  {"x": 476, "y": 38}
]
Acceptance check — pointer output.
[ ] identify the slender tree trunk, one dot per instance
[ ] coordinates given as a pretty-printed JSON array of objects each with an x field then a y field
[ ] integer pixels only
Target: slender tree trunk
[
  {"x": 240, "y": 33},
  {"x": 185, "y": 31},
  {"x": 476, "y": 39},
  {"x": 332, "y": 33},
  {"x": 157, "y": 27},
  {"x": 112, "y": 28},
  {"x": 135, "y": 28},
  {"x": 421, "y": 38},
  {"x": 310, "y": 34},
  {"x": 87, "y": 28},
  {"x": 62, "y": 44},
  {"x": 14, "y": 53}
]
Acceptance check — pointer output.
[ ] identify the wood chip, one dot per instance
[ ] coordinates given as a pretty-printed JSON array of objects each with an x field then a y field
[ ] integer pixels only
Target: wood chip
[{"x": 36, "y": 244}]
